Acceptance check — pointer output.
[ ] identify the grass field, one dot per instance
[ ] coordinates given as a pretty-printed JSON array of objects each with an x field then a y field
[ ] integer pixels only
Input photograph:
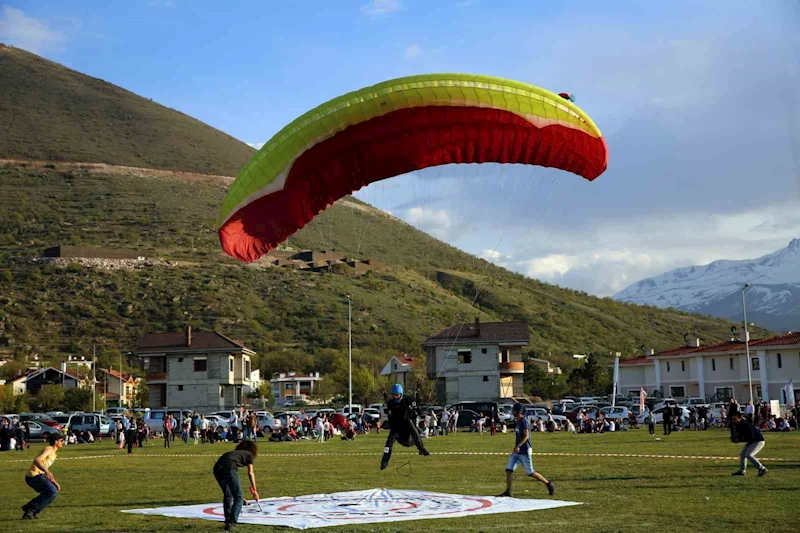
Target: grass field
[{"x": 620, "y": 493}]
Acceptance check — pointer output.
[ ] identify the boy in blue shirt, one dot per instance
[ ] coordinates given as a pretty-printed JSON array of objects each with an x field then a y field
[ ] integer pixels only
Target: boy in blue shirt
[{"x": 522, "y": 453}]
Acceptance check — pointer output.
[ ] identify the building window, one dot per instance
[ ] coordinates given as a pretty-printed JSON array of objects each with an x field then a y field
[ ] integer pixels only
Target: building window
[
  {"x": 724, "y": 393},
  {"x": 485, "y": 378},
  {"x": 247, "y": 368},
  {"x": 483, "y": 350},
  {"x": 758, "y": 392},
  {"x": 780, "y": 363},
  {"x": 677, "y": 392},
  {"x": 180, "y": 359},
  {"x": 731, "y": 363},
  {"x": 464, "y": 357},
  {"x": 756, "y": 363},
  {"x": 667, "y": 366},
  {"x": 683, "y": 366},
  {"x": 200, "y": 365},
  {"x": 180, "y": 388},
  {"x": 222, "y": 391},
  {"x": 395, "y": 366},
  {"x": 714, "y": 365},
  {"x": 289, "y": 386}
]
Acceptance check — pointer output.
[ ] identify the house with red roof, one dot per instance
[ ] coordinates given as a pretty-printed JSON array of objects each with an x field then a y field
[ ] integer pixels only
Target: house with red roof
[
  {"x": 477, "y": 362},
  {"x": 117, "y": 388},
  {"x": 202, "y": 370},
  {"x": 289, "y": 388},
  {"x": 399, "y": 369},
  {"x": 717, "y": 371}
]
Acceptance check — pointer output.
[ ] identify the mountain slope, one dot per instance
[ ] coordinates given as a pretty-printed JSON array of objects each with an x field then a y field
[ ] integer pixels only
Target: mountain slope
[
  {"x": 773, "y": 299},
  {"x": 50, "y": 112},
  {"x": 294, "y": 319}
]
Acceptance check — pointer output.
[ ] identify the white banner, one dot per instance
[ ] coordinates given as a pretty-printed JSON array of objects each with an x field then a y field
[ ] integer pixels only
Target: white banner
[{"x": 359, "y": 507}]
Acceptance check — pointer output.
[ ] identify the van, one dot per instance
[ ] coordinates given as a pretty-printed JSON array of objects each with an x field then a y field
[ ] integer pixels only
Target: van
[
  {"x": 99, "y": 425},
  {"x": 154, "y": 418},
  {"x": 356, "y": 408}
]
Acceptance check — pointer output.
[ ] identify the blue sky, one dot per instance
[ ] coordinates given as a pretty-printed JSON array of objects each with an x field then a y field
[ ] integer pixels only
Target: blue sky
[{"x": 699, "y": 103}]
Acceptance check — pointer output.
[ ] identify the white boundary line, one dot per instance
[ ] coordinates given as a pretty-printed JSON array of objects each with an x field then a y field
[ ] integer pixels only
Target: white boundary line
[{"x": 370, "y": 454}]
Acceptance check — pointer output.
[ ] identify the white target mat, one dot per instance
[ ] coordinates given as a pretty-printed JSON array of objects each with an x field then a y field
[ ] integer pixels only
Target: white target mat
[{"x": 358, "y": 507}]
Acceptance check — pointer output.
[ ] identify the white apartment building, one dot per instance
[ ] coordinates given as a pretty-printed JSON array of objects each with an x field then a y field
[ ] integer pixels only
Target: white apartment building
[{"x": 717, "y": 371}]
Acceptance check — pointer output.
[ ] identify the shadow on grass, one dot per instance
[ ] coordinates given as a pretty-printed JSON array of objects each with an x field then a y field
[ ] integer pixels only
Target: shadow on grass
[{"x": 162, "y": 503}]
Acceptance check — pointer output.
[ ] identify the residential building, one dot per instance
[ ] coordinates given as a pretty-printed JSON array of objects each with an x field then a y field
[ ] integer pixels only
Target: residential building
[
  {"x": 477, "y": 362},
  {"x": 291, "y": 387},
  {"x": 717, "y": 371},
  {"x": 545, "y": 365},
  {"x": 118, "y": 389},
  {"x": 33, "y": 382},
  {"x": 202, "y": 370},
  {"x": 399, "y": 369}
]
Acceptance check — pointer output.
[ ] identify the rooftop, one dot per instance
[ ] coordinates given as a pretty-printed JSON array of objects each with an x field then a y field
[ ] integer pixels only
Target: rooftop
[{"x": 482, "y": 333}]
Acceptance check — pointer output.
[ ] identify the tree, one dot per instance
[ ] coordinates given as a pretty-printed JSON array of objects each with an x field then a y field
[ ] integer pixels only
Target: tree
[
  {"x": 50, "y": 398},
  {"x": 264, "y": 392},
  {"x": 141, "y": 395},
  {"x": 325, "y": 389},
  {"x": 589, "y": 379},
  {"x": 10, "y": 402},
  {"x": 80, "y": 399}
]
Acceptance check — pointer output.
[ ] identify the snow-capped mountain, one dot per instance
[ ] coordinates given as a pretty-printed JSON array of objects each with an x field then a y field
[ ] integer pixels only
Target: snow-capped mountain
[{"x": 773, "y": 299}]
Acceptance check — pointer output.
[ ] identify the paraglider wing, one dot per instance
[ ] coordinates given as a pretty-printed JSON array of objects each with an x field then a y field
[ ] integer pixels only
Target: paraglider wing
[{"x": 393, "y": 128}]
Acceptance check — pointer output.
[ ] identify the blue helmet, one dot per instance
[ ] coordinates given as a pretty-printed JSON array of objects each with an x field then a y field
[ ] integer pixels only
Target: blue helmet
[
  {"x": 397, "y": 389},
  {"x": 517, "y": 408}
]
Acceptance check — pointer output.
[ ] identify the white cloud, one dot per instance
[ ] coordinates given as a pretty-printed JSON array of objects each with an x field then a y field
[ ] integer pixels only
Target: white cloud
[
  {"x": 412, "y": 51},
  {"x": 436, "y": 222},
  {"x": 28, "y": 33},
  {"x": 257, "y": 146},
  {"x": 377, "y": 8},
  {"x": 615, "y": 254},
  {"x": 496, "y": 257}
]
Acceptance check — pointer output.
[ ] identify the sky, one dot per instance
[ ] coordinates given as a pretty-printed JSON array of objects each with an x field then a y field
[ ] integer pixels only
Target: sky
[{"x": 699, "y": 102}]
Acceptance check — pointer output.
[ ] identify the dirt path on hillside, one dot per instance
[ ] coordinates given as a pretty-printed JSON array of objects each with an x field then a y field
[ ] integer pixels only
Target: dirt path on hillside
[{"x": 102, "y": 168}]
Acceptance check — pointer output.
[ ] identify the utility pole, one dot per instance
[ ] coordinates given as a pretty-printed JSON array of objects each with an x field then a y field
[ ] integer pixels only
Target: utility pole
[
  {"x": 94, "y": 375},
  {"x": 747, "y": 347},
  {"x": 349, "y": 356}
]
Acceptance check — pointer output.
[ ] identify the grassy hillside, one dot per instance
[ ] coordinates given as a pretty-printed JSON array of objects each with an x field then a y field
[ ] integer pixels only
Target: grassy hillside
[
  {"x": 427, "y": 286},
  {"x": 50, "y": 112},
  {"x": 296, "y": 320}
]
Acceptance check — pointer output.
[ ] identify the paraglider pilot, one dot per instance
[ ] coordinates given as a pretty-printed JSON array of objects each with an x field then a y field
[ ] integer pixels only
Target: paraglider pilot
[{"x": 402, "y": 413}]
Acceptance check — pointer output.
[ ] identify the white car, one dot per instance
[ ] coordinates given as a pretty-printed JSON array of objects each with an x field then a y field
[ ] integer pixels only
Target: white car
[
  {"x": 267, "y": 423},
  {"x": 616, "y": 413},
  {"x": 694, "y": 402},
  {"x": 659, "y": 414},
  {"x": 221, "y": 422},
  {"x": 540, "y": 412}
]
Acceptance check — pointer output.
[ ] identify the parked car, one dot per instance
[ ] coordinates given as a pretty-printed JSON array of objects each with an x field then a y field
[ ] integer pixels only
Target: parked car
[
  {"x": 590, "y": 410},
  {"x": 540, "y": 412},
  {"x": 267, "y": 423},
  {"x": 41, "y": 431},
  {"x": 694, "y": 401},
  {"x": 659, "y": 415},
  {"x": 616, "y": 413},
  {"x": 154, "y": 418},
  {"x": 221, "y": 421},
  {"x": 98, "y": 424},
  {"x": 466, "y": 417},
  {"x": 372, "y": 414}
]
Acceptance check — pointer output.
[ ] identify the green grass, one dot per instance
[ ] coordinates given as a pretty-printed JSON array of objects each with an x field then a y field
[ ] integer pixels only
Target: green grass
[{"x": 620, "y": 493}]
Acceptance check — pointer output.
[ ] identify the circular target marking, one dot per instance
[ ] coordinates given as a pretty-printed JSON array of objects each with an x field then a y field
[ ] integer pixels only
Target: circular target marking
[{"x": 359, "y": 508}]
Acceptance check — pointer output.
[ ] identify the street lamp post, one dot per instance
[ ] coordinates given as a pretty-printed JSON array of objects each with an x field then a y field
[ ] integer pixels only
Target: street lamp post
[
  {"x": 349, "y": 356},
  {"x": 747, "y": 347}
]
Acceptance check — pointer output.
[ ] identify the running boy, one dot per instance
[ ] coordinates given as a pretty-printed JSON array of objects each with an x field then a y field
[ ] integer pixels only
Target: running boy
[
  {"x": 226, "y": 472},
  {"x": 522, "y": 453},
  {"x": 40, "y": 479},
  {"x": 744, "y": 431}
]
